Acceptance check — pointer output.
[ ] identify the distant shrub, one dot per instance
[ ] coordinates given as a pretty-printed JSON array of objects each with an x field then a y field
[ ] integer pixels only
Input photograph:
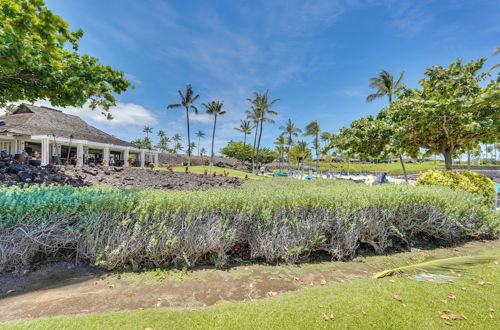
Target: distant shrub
[
  {"x": 220, "y": 164},
  {"x": 278, "y": 219},
  {"x": 464, "y": 180},
  {"x": 194, "y": 162}
]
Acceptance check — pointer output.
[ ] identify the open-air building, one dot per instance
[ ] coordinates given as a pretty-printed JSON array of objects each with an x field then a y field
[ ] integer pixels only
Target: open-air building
[{"x": 62, "y": 138}]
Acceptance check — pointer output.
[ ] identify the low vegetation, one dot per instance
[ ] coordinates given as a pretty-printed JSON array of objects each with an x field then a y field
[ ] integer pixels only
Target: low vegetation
[
  {"x": 276, "y": 219},
  {"x": 464, "y": 180}
]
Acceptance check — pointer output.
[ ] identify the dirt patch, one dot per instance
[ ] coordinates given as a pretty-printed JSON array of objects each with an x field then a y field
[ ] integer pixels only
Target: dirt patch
[{"x": 63, "y": 288}]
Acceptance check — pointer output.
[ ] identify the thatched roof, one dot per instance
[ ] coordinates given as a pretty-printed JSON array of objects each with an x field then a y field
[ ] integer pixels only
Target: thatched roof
[{"x": 32, "y": 120}]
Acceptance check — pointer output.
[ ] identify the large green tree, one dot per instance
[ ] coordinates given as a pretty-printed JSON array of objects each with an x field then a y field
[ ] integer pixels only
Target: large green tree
[
  {"x": 453, "y": 109},
  {"x": 39, "y": 59},
  {"x": 385, "y": 85},
  {"x": 187, "y": 102},
  {"x": 214, "y": 108}
]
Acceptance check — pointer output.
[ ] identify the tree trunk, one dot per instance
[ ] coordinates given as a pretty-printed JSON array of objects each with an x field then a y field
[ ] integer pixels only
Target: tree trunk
[
  {"x": 260, "y": 136},
  {"x": 317, "y": 155},
  {"x": 244, "y": 145},
  {"x": 213, "y": 140},
  {"x": 189, "y": 138},
  {"x": 199, "y": 139},
  {"x": 404, "y": 168},
  {"x": 254, "y": 143},
  {"x": 448, "y": 160},
  {"x": 468, "y": 160}
]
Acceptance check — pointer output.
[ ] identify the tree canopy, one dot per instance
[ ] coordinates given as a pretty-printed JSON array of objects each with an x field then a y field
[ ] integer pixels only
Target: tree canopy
[{"x": 39, "y": 59}]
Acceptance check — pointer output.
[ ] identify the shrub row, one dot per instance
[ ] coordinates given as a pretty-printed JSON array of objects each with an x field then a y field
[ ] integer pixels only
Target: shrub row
[{"x": 278, "y": 219}]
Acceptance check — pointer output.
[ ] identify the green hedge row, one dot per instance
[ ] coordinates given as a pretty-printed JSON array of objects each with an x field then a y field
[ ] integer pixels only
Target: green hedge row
[{"x": 279, "y": 219}]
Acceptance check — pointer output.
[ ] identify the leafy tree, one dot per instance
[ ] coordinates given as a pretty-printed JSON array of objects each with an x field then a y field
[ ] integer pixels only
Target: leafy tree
[
  {"x": 384, "y": 85},
  {"x": 313, "y": 129},
  {"x": 238, "y": 150},
  {"x": 245, "y": 128},
  {"x": 199, "y": 134},
  {"x": 39, "y": 59},
  {"x": 290, "y": 131},
  {"x": 214, "y": 108},
  {"x": 262, "y": 106},
  {"x": 450, "y": 111},
  {"x": 300, "y": 152},
  {"x": 187, "y": 100}
]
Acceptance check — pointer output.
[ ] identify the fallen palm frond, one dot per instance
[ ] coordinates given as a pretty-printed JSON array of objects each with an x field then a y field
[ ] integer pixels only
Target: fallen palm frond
[{"x": 440, "y": 265}]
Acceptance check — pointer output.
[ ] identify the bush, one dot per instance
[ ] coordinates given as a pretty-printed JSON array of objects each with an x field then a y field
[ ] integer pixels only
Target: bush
[
  {"x": 464, "y": 180},
  {"x": 219, "y": 164},
  {"x": 194, "y": 162},
  {"x": 278, "y": 219}
]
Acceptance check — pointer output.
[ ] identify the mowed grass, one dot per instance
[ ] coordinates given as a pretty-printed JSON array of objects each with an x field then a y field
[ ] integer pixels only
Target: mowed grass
[
  {"x": 392, "y": 168},
  {"x": 362, "y": 304},
  {"x": 200, "y": 169}
]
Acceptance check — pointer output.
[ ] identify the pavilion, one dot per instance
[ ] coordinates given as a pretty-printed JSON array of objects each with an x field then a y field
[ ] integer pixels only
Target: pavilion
[{"x": 57, "y": 136}]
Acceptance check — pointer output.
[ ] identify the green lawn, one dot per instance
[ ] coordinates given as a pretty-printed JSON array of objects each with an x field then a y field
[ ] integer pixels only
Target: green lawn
[
  {"x": 392, "y": 168},
  {"x": 362, "y": 304},
  {"x": 219, "y": 170}
]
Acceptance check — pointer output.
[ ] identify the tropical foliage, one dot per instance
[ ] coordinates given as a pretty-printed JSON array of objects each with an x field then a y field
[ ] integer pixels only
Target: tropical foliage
[
  {"x": 40, "y": 60},
  {"x": 464, "y": 180}
]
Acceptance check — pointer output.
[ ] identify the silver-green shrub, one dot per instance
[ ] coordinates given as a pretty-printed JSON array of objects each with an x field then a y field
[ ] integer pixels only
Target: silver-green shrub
[{"x": 279, "y": 219}]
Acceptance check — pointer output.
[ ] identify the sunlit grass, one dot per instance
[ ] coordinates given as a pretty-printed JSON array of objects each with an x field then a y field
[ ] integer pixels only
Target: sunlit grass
[
  {"x": 200, "y": 169},
  {"x": 361, "y": 304}
]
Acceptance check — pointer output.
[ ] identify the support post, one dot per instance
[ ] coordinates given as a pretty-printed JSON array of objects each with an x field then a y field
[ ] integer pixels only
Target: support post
[
  {"x": 125, "y": 157},
  {"x": 105, "y": 156},
  {"x": 79, "y": 154},
  {"x": 45, "y": 157},
  {"x": 143, "y": 158},
  {"x": 156, "y": 159}
]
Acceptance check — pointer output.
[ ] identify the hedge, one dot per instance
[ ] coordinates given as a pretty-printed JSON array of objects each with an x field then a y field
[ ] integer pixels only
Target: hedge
[{"x": 278, "y": 219}]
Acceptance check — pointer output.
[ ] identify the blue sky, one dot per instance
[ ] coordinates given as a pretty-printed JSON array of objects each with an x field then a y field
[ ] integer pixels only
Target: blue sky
[{"x": 316, "y": 56}]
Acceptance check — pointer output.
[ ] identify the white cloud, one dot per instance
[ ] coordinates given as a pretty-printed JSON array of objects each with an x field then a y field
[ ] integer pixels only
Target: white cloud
[{"x": 124, "y": 114}]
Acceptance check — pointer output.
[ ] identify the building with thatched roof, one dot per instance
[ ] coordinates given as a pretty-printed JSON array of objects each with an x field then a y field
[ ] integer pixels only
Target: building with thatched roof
[{"x": 59, "y": 136}]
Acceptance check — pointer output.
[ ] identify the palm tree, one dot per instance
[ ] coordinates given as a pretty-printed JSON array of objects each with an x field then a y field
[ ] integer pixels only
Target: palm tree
[
  {"x": 246, "y": 129},
  {"x": 280, "y": 143},
  {"x": 176, "y": 139},
  {"x": 254, "y": 116},
  {"x": 203, "y": 151},
  {"x": 192, "y": 146},
  {"x": 384, "y": 85},
  {"x": 177, "y": 146},
  {"x": 147, "y": 130},
  {"x": 161, "y": 133},
  {"x": 187, "y": 100},
  {"x": 163, "y": 143},
  {"x": 10, "y": 108},
  {"x": 312, "y": 129},
  {"x": 199, "y": 134},
  {"x": 262, "y": 103},
  {"x": 290, "y": 130},
  {"x": 214, "y": 108}
]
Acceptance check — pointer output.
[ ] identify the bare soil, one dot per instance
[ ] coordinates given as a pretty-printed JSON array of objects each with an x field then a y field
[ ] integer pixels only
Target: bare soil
[{"x": 64, "y": 288}]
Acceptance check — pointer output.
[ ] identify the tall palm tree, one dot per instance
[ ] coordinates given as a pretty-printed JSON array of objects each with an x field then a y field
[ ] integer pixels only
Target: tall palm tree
[
  {"x": 177, "y": 146},
  {"x": 147, "y": 130},
  {"x": 199, "y": 134},
  {"x": 254, "y": 116},
  {"x": 246, "y": 129},
  {"x": 161, "y": 133},
  {"x": 384, "y": 85},
  {"x": 280, "y": 143},
  {"x": 203, "y": 151},
  {"x": 187, "y": 100},
  {"x": 290, "y": 130},
  {"x": 262, "y": 102},
  {"x": 214, "y": 108},
  {"x": 312, "y": 129}
]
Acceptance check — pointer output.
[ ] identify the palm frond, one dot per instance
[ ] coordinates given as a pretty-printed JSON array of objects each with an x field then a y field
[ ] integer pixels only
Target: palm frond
[
  {"x": 439, "y": 265},
  {"x": 174, "y": 106},
  {"x": 374, "y": 96}
]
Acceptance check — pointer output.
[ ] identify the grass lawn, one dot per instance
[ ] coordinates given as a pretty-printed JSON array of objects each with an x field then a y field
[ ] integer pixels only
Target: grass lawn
[
  {"x": 392, "y": 168},
  {"x": 201, "y": 169},
  {"x": 387, "y": 303}
]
